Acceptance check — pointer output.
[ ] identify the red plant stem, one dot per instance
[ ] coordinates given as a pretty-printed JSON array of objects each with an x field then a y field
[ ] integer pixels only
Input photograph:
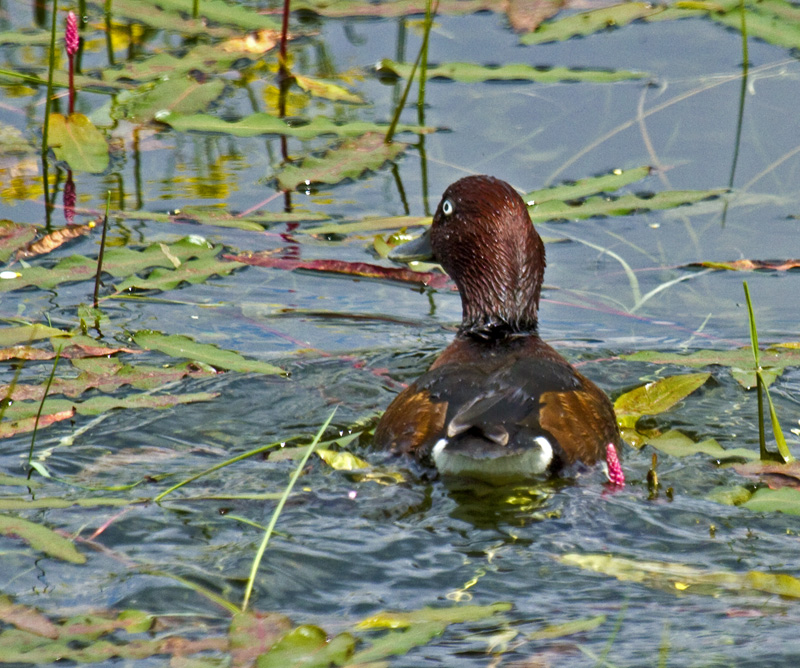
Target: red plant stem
[
  {"x": 71, "y": 84},
  {"x": 284, "y": 32}
]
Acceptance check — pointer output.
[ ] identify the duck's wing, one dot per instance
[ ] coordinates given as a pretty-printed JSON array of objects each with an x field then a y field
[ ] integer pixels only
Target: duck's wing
[{"x": 531, "y": 404}]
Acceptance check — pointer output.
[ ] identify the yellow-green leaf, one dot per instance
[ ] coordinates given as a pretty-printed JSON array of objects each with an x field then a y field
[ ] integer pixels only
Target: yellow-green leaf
[{"x": 76, "y": 141}]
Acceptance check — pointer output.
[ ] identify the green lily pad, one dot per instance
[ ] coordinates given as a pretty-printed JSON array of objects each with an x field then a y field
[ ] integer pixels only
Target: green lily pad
[
  {"x": 347, "y": 161},
  {"x": 76, "y": 141},
  {"x": 472, "y": 73}
]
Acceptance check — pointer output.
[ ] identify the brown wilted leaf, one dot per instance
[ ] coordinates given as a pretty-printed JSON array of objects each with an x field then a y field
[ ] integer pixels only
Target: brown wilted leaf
[
  {"x": 75, "y": 351},
  {"x": 750, "y": 265},
  {"x": 49, "y": 242},
  {"x": 27, "y": 424},
  {"x": 525, "y": 16},
  {"x": 358, "y": 269},
  {"x": 775, "y": 475}
]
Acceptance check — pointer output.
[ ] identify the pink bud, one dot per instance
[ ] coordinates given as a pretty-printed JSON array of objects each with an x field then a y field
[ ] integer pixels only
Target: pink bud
[
  {"x": 69, "y": 199},
  {"x": 72, "y": 34},
  {"x": 615, "y": 474}
]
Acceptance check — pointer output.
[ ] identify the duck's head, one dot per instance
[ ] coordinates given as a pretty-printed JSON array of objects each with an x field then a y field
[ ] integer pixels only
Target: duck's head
[{"x": 483, "y": 237}]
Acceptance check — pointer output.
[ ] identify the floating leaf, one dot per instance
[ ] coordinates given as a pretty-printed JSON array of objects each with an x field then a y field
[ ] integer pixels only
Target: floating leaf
[
  {"x": 586, "y": 23},
  {"x": 679, "y": 578},
  {"x": 265, "y": 124},
  {"x": 52, "y": 503},
  {"x": 341, "y": 460},
  {"x": 107, "y": 375},
  {"x": 192, "y": 271},
  {"x": 359, "y": 269},
  {"x": 452, "y": 615},
  {"x": 472, "y": 73},
  {"x": 619, "y": 206},
  {"x": 213, "y": 215},
  {"x": 10, "y": 336},
  {"x": 162, "y": 18},
  {"x": 153, "y": 101},
  {"x": 21, "y": 410},
  {"x": 252, "y": 633},
  {"x": 676, "y": 444},
  {"x": 656, "y": 397},
  {"x": 776, "y": 475},
  {"x": 326, "y": 90},
  {"x": 346, "y": 8},
  {"x": 750, "y": 265},
  {"x": 76, "y": 141},
  {"x": 605, "y": 183},
  {"x": 217, "y": 11},
  {"x": 347, "y": 161},
  {"x": 13, "y": 236},
  {"x": 257, "y": 43},
  {"x": 184, "y": 347},
  {"x": 194, "y": 257},
  {"x": 308, "y": 646},
  {"x": 41, "y": 538},
  {"x": 773, "y": 361},
  {"x": 568, "y": 628},
  {"x": 784, "y": 500},
  {"x": 49, "y": 242},
  {"x": 369, "y": 225}
]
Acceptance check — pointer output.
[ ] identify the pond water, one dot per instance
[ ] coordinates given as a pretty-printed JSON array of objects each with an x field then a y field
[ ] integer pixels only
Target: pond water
[{"x": 355, "y": 543}]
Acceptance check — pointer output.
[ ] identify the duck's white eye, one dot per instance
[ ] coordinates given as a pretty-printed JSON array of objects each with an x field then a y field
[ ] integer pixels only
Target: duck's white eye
[{"x": 448, "y": 208}]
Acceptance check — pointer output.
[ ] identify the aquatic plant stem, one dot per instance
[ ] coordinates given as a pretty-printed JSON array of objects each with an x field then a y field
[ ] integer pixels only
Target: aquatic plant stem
[
  {"x": 49, "y": 99},
  {"x": 276, "y": 513},
  {"x": 102, "y": 250},
  {"x": 284, "y": 35},
  {"x": 422, "y": 51},
  {"x": 39, "y": 412}
]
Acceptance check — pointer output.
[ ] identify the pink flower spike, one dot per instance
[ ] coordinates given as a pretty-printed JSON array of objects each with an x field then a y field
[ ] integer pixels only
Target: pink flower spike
[
  {"x": 615, "y": 474},
  {"x": 72, "y": 38}
]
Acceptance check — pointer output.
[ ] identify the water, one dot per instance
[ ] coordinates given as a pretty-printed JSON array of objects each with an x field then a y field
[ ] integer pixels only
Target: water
[{"x": 352, "y": 545}]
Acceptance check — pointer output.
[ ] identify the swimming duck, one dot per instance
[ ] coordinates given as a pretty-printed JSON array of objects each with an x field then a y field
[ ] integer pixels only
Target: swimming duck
[{"x": 498, "y": 402}]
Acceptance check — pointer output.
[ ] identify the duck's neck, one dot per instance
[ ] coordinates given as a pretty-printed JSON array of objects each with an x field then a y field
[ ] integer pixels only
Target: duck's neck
[{"x": 500, "y": 296}]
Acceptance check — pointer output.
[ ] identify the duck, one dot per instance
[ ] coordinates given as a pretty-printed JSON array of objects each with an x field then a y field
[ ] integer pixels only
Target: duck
[{"x": 498, "y": 403}]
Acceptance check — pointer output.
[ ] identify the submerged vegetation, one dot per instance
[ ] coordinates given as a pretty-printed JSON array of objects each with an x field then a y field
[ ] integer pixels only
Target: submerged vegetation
[{"x": 95, "y": 324}]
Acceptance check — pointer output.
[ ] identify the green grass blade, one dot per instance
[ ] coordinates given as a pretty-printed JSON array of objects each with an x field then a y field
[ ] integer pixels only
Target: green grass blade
[
  {"x": 783, "y": 449},
  {"x": 217, "y": 467},
  {"x": 41, "y": 406},
  {"x": 274, "y": 519},
  {"x": 753, "y": 331}
]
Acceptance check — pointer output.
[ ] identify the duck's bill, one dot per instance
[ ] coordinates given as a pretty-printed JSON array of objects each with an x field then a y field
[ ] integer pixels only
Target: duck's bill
[{"x": 416, "y": 250}]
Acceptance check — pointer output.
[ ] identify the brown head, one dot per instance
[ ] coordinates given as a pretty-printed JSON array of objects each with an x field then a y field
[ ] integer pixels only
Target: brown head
[{"x": 483, "y": 237}]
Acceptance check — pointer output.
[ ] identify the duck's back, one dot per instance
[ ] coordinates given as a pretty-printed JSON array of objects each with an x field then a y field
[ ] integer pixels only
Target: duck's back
[{"x": 500, "y": 409}]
